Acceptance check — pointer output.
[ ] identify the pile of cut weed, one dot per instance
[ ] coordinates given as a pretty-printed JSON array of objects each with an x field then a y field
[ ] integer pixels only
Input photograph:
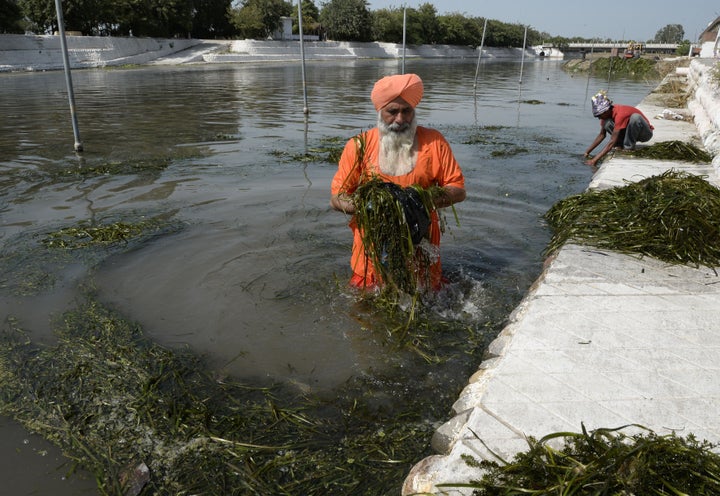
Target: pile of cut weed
[
  {"x": 604, "y": 461},
  {"x": 673, "y": 150},
  {"x": 674, "y": 217}
]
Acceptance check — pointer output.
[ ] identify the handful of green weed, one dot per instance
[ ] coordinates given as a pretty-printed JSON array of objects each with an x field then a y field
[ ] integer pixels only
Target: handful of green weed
[
  {"x": 674, "y": 217},
  {"x": 387, "y": 235}
]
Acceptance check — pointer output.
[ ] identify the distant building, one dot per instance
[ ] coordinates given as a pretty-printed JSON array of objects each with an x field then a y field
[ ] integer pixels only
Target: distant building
[
  {"x": 284, "y": 32},
  {"x": 710, "y": 40}
]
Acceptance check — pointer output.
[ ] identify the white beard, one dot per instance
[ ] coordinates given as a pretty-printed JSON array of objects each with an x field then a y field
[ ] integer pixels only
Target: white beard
[{"x": 398, "y": 149}]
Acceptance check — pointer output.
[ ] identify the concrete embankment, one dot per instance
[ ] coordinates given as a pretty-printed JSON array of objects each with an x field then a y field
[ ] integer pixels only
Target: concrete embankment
[
  {"x": 39, "y": 53},
  {"x": 602, "y": 339},
  {"x": 34, "y": 53}
]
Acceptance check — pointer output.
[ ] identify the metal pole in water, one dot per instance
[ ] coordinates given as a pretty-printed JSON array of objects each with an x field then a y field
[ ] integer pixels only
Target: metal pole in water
[
  {"x": 587, "y": 85},
  {"x": 302, "y": 56},
  {"x": 522, "y": 59},
  {"x": 404, "y": 31},
  {"x": 482, "y": 42},
  {"x": 522, "y": 63},
  {"x": 68, "y": 77}
]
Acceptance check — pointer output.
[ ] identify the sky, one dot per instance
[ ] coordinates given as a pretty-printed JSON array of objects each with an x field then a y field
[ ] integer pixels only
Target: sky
[{"x": 638, "y": 20}]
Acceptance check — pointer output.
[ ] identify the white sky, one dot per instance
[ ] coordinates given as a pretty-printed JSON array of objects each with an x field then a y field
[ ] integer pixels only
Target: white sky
[{"x": 629, "y": 20}]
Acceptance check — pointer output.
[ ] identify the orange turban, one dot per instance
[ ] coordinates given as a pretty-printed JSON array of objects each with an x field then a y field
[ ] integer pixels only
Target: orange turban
[{"x": 409, "y": 87}]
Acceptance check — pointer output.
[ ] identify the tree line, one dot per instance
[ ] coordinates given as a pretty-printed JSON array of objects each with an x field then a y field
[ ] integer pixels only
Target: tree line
[{"x": 340, "y": 20}]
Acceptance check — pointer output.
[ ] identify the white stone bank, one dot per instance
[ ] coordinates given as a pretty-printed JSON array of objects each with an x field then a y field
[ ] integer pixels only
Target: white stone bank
[{"x": 44, "y": 52}]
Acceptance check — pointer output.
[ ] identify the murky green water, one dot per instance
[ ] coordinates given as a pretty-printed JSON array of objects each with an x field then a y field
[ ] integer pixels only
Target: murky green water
[{"x": 252, "y": 274}]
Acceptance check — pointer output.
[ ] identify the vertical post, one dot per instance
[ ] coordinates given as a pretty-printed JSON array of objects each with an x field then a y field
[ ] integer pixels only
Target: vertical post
[
  {"x": 522, "y": 59},
  {"x": 404, "y": 31},
  {"x": 68, "y": 77},
  {"x": 302, "y": 56},
  {"x": 482, "y": 42},
  {"x": 587, "y": 84}
]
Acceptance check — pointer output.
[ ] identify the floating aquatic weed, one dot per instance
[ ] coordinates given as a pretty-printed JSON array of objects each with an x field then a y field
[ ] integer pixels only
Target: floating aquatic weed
[
  {"x": 673, "y": 150},
  {"x": 112, "y": 168},
  {"x": 88, "y": 234},
  {"x": 329, "y": 151},
  {"x": 603, "y": 461},
  {"x": 29, "y": 271},
  {"x": 484, "y": 135},
  {"x": 509, "y": 151},
  {"x": 674, "y": 217}
]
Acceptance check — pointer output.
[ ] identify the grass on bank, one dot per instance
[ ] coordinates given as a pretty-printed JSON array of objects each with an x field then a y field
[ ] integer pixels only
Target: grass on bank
[{"x": 634, "y": 68}]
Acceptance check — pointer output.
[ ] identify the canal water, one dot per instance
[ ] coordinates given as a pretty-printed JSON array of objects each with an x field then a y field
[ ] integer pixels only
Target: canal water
[{"x": 253, "y": 276}]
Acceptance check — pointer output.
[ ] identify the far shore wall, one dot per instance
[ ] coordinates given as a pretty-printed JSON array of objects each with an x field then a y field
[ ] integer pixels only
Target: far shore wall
[{"x": 44, "y": 52}]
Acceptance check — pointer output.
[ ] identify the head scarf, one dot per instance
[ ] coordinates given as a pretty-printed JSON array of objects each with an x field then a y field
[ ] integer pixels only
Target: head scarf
[
  {"x": 600, "y": 104},
  {"x": 409, "y": 87}
]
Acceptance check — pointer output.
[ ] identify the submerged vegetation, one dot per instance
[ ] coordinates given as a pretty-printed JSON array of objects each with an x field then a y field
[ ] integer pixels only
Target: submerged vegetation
[
  {"x": 674, "y": 217},
  {"x": 329, "y": 150},
  {"x": 32, "y": 267},
  {"x": 604, "y": 461},
  {"x": 87, "y": 234},
  {"x": 146, "y": 420}
]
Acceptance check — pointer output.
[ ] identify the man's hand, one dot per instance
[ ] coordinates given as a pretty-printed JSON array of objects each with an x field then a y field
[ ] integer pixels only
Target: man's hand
[{"x": 342, "y": 203}]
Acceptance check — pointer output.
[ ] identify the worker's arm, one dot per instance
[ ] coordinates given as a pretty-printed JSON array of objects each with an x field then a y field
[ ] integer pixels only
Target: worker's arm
[
  {"x": 611, "y": 144},
  {"x": 598, "y": 139},
  {"x": 448, "y": 196}
]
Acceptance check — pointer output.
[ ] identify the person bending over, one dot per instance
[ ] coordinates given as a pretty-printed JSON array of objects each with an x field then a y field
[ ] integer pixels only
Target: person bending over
[{"x": 626, "y": 126}]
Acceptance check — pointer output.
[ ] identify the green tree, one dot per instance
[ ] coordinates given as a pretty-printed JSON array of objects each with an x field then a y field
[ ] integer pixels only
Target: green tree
[
  {"x": 347, "y": 20},
  {"x": 460, "y": 30},
  {"x": 426, "y": 28},
  {"x": 310, "y": 17},
  {"x": 672, "y": 33},
  {"x": 501, "y": 34},
  {"x": 161, "y": 18},
  {"x": 683, "y": 48},
  {"x": 260, "y": 18},
  {"x": 11, "y": 19},
  {"x": 40, "y": 14},
  {"x": 211, "y": 19},
  {"x": 387, "y": 25}
]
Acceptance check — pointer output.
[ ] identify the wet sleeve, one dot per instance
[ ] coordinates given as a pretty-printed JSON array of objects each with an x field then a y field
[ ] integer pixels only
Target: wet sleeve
[{"x": 450, "y": 172}]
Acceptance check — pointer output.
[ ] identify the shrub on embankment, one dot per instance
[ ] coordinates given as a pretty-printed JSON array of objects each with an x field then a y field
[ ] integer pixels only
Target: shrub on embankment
[{"x": 639, "y": 68}]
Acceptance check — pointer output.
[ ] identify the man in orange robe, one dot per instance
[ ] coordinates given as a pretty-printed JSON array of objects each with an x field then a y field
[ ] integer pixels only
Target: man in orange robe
[{"x": 397, "y": 150}]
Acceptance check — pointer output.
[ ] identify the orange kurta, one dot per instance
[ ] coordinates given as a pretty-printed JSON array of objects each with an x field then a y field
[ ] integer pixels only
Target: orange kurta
[{"x": 436, "y": 165}]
